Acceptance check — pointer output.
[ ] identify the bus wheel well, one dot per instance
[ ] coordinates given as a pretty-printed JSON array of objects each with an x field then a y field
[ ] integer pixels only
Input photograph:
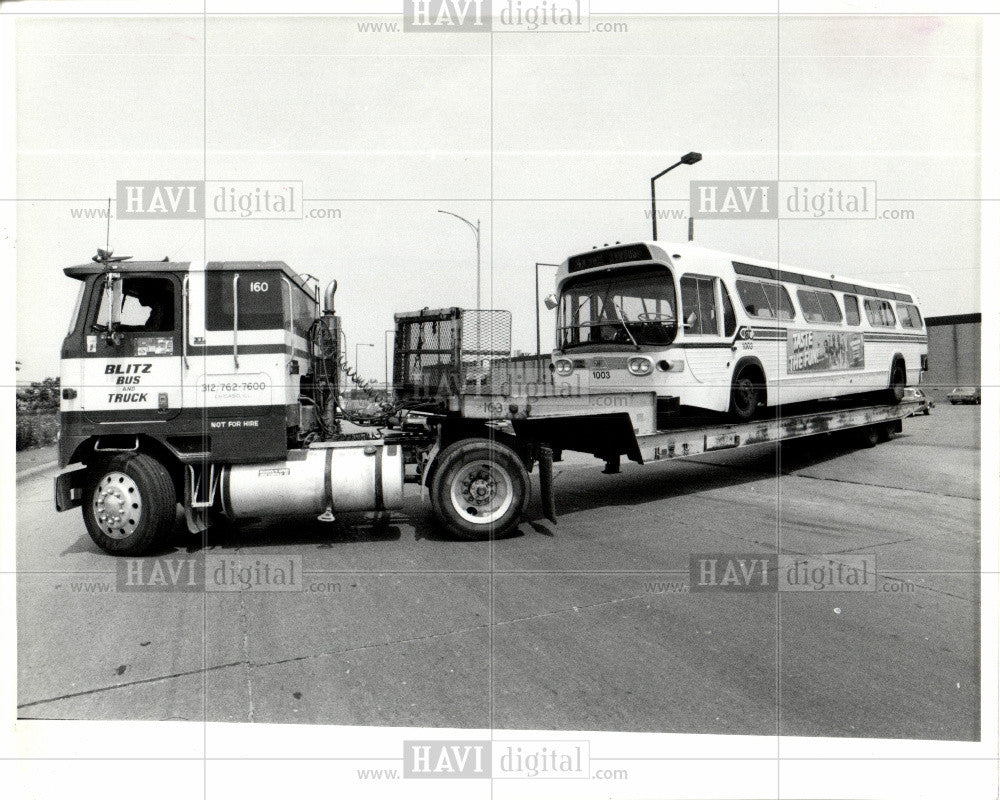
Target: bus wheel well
[{"x": 752, "y": 365}]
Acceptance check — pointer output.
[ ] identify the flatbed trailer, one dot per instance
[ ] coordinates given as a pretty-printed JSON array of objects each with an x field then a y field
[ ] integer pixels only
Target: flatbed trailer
[{"x": 475, "y": 459}]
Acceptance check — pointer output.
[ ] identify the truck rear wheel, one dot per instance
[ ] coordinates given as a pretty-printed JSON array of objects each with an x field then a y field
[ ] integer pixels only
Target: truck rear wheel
[
  {"x": 480, "y": 489},
  {"x": 129, "y": 504}
]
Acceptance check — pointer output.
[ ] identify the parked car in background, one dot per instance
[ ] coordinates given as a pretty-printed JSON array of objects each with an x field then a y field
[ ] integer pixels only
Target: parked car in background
[
  {"x": 966, "y": 395},
  {"x": 926, "y": 404}
]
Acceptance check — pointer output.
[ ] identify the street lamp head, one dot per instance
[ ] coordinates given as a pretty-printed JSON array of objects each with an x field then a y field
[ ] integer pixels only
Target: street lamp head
[{"x": 691, "y": 158}]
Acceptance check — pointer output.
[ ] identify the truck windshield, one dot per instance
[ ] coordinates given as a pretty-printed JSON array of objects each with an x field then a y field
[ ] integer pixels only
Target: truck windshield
[{"x": 623, "y": 308}]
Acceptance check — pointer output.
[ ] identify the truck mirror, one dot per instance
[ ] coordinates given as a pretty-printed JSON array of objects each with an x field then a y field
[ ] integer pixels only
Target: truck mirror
[
  {"x": 551, "y": 302},
  {"x": 113, "y": 294}
]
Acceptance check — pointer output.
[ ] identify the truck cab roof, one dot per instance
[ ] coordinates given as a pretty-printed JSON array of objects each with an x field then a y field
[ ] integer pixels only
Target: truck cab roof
[{"x": 81, "y": 271}]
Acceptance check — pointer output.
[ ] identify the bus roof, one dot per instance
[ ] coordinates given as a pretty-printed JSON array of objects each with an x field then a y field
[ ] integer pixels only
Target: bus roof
[{"x": 668, "y": 252}]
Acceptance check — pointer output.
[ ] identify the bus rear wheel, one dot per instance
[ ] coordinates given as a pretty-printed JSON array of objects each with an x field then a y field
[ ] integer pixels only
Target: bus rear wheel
[
  {"x": 897, "y": 383},
  {"x": 747, "y": 393}
]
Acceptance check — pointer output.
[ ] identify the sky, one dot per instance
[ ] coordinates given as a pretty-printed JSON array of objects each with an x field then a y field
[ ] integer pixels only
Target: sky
[{"x": 549, "y": 140}]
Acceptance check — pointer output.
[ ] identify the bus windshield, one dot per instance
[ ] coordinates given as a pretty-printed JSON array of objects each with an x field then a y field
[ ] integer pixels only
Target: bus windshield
[{"x": 624, "y": 308}]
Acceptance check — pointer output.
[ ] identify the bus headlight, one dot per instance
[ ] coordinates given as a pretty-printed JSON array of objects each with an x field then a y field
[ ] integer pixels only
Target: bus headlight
[
  {"x": 564, "y": 368},
  {"x": 640, "y": 366}
]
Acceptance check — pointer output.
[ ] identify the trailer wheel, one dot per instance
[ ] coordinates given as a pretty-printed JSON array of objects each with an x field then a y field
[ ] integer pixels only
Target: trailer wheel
[
  {"x": 480, "y": 489},
  {"x": 869, "y": 436},
  {"x": 129, "y": 504}
]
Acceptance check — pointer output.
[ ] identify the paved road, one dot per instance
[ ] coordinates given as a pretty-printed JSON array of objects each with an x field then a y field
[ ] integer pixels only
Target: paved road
[{"x": 585, "y": 625}]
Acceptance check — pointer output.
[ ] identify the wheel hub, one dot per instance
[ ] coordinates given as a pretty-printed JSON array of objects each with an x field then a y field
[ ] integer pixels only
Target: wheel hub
[
  {"x": 482, "y": 492},
  {"x": 117, "y": 505}
]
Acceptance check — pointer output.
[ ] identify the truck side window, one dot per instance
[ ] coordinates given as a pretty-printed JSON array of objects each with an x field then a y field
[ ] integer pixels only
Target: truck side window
[
  {"x": 259, "y": 299},
  {"x": 147, "y": 305}
]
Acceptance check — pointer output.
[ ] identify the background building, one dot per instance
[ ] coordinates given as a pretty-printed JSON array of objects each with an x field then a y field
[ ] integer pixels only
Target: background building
[{"x": 953, "y": 352}]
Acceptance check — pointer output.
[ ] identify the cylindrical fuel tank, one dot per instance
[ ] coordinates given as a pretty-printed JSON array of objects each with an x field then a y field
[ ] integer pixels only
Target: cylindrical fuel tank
[{"x": 343, "y": 476}]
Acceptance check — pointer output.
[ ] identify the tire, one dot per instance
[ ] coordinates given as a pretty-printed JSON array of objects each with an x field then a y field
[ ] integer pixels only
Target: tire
[
  {"x": 129, "y": 504},
  {"x": 746, "y": 393},
  {"x": 897, "y": 383},
  {"x": 480, "y": 489},
  {"x": 869, "y": 436}
]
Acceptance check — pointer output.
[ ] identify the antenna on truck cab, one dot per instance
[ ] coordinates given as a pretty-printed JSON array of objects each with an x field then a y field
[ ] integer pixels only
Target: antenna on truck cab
[{"x": 106, "y": 255}]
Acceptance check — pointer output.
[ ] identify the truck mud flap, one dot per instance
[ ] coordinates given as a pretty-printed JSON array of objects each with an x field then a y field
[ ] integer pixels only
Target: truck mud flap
[
  {"x": 545, "y": 483},
  {"x": 68, "y": 488}
]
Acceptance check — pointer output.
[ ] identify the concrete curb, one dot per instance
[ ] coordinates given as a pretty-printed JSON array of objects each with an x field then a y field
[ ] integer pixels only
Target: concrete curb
[{"x": 35, "y": 470}]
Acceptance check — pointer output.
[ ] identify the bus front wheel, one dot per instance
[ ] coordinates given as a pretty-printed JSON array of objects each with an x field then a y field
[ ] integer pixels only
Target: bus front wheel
[{"x": 747, "y": 393}]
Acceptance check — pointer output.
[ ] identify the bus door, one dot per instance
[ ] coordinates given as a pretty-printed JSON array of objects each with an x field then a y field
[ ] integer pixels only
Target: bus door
[{"x": 708, "y": 322}]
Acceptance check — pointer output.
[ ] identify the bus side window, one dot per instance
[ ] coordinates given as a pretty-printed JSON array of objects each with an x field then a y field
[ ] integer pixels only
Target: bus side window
[
  {"x": 851, "y": 309},
  {"x": 781, "y": 303},
  {"x": 872, "y": 312},
  {"x": 830, "y": 307},
  {"x": 810, "y": 306},
  {"x": 728, "y": 312},
  {"x": 888, "y": 317},
  {"x": 908, "y": 315},
  {"x": 754, "y": 300}
]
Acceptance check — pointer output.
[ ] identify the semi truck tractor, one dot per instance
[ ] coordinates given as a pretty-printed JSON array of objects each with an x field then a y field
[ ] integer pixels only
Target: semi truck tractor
[{"x": 213, "y": 385}]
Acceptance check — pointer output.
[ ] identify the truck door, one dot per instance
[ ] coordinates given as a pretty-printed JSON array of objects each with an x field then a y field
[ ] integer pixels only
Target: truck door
[{"x": 132, "y": 355}]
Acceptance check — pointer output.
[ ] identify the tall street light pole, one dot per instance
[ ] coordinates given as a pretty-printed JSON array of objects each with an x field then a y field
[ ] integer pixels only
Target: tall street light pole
[
  {"x": 689, "y": 158},
  {"x": 475, "y": 231},
  {"x": 356, "y": 346},
  {"x": 538, "y": 312}
]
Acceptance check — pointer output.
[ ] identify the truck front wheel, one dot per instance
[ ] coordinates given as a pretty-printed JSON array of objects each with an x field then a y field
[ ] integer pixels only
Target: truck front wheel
[
  {"x": 480, "y": 489},
  {"x": 129, "y": 504}
]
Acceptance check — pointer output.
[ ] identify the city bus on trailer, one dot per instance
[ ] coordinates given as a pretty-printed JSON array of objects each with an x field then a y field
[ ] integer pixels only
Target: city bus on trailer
[
  {"x": 476, "y": 431},
  {"x": 723, "y": 332}
]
